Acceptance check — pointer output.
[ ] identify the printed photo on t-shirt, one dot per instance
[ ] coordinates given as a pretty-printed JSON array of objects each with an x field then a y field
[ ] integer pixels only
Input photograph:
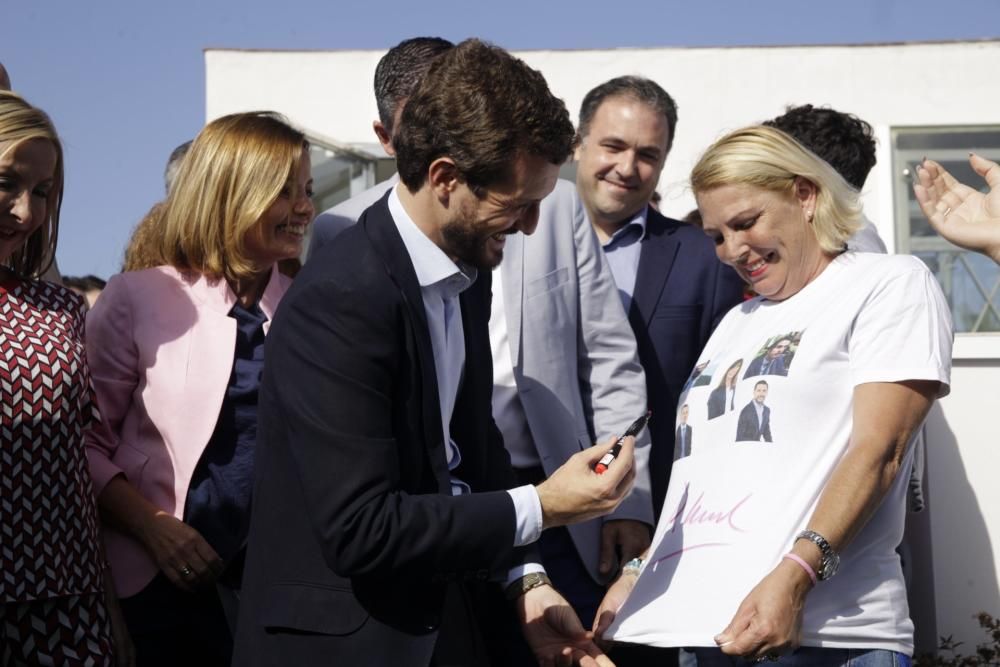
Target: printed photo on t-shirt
[
  {"x": 701, "y": 375},
  {"x": 723, "y": 396},
  {"x": 682, "y": 436},
  {"x": 754, "y": 424},
  {"x": 776, "y": 355}
]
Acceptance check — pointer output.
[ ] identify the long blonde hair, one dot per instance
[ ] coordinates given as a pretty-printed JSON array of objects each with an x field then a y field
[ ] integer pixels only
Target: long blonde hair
[
  {"x": 767, "y": 158},
  {"x": 20, "y": 122},
  {"x": 236, "y": 168}
]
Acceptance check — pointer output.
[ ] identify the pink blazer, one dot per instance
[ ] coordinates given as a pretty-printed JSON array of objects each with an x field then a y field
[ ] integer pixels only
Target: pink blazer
[{"x": 160, "y": 347}]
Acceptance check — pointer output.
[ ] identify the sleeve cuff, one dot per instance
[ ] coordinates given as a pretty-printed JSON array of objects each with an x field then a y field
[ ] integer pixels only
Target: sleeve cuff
[
  {"x": 528, "y": 513},
  {"x": 516, "y": 573}
]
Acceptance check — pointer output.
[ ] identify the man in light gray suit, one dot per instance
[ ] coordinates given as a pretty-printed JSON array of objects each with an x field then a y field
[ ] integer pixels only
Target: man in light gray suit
[
  {"x": 566, "y": 373},
  {"x": 566, "y": 369}
]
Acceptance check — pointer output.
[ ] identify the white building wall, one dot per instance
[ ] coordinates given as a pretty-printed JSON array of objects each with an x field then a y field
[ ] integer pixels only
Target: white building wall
[
  {"x": 719, "y": 89},
  {"x": 327, "y": 92}
]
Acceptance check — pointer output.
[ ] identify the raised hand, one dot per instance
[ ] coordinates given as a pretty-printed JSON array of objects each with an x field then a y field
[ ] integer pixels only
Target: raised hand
[
  {"x": 576, "y": 493},
  {"x": 961, "y": 214}
]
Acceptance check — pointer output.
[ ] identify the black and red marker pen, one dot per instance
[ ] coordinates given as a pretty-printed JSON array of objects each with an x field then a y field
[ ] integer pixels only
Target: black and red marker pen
[{"x": 633, "y": 430}]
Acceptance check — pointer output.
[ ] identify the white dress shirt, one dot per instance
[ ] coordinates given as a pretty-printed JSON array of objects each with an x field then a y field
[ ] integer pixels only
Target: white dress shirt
[
  {"x": 507, "y": 409},
  {"x": 441, "y": 281}
]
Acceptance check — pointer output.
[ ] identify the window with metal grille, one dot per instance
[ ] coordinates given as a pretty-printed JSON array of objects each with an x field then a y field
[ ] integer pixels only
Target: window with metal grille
[{"x": 970, "y": 281}]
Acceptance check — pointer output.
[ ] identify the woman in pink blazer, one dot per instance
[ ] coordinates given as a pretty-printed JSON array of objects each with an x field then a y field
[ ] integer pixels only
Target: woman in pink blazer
[{"x": 176, "y": 354}]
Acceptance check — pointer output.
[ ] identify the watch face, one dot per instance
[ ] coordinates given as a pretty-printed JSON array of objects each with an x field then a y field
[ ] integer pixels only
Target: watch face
[
  {"x": 830, "y": 559},
  {"x": 831, "y": 564}
]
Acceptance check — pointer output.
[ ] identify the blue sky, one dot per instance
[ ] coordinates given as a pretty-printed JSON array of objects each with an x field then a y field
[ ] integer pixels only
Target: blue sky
[{"x": 124, "y": 80}]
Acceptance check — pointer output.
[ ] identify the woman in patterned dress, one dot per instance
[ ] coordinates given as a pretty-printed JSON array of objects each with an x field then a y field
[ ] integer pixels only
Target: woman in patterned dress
[
  {"x": 56, "y": 599},
  {"x": 176, "y": 353}
]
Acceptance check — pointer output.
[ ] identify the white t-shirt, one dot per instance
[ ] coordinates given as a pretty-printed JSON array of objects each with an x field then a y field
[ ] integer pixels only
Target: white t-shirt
[{"x": 755, "y": 473}]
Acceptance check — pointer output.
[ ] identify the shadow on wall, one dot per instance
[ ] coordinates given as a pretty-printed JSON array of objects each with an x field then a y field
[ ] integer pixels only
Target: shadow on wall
[{"x": 952, "y": 568}]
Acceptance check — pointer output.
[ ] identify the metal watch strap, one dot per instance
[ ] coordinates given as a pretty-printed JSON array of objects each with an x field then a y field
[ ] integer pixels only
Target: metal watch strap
[
  {"x": 519, "y": 587},
  {"x": 829, "y": 560},
  {"x": 633, "y": 567}
]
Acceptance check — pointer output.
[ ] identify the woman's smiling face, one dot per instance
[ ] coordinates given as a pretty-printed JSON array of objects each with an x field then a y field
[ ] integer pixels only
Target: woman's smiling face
[
  {"x": 765, "y": 235},
  {"x": 27, "y": 176}
]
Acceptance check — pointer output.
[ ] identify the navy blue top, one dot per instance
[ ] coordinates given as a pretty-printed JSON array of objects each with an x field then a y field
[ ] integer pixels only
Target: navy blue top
[{"x": 218, "y": 499}]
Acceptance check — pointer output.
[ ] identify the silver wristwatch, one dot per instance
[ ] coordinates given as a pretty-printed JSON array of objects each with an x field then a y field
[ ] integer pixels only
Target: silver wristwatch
[
  {"x": 521, "y": 586},
  {"x": 829, "y": 559},
  {"x": 633, "y": 567}
]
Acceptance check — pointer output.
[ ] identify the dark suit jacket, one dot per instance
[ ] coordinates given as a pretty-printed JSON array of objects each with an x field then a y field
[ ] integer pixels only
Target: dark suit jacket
[
  {"x": 681, "y": 292},
  {"x": 777, "y": 367},
  {"x": 748, "y": 429},
  {"x": 687, "y": 439},
  {"x": 355, "y": 534},
  {"x": 717, "y": 402}
]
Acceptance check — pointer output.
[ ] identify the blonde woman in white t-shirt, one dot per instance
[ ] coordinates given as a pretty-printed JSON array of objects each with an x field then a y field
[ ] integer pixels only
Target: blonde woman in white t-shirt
[{"x": 751, "y": 531}]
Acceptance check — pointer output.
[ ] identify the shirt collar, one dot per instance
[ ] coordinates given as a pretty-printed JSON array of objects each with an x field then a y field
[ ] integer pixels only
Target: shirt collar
[
  {"x": 430, "y": 263},
  {"x": 638, "y": 220}
]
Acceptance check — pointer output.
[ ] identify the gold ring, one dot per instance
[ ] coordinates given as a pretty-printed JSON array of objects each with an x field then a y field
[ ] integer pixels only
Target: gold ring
[{"x": 946, "y": 212}]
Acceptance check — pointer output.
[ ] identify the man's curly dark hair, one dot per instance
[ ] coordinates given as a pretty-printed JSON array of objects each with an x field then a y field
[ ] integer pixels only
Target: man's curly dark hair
[
  {"x": 482, "y": 107},
  {"x": 842, "y": 139}
]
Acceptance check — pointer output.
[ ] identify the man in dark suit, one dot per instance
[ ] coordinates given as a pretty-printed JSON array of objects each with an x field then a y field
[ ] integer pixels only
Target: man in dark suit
[
  {"x": 755, "y": 417},
  {"x": 381, "y": 476},
  {"x": 553, "y": 291},
  {"x": 683, "y": 435},
  {"x": 771, "y": 362},
  {"x": 673, "y": 287}
]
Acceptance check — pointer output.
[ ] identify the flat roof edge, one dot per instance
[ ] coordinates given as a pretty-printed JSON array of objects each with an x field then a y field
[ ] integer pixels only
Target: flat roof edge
[{"x": 942, "y": 42}]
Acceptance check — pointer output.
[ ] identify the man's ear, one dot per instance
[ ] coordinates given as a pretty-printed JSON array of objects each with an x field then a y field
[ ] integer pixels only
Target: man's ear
[
  {"x": 443, "y": 177},
  {"x": 384, "y": 138}
]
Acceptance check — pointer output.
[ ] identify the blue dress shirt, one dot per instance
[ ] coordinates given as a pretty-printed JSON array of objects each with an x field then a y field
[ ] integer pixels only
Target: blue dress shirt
[{"x": 623, "y": 250}]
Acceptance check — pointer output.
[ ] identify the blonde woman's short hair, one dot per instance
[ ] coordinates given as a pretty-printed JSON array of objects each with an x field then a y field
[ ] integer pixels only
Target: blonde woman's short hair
[
  {"x": 767, "y": 158},
  {"x": 235, "y": 169},
  {"x": 20, "y": 122}
]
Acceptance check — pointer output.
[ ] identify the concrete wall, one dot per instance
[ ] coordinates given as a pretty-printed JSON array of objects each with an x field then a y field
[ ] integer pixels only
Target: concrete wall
[{"x": 719, "y": 89}]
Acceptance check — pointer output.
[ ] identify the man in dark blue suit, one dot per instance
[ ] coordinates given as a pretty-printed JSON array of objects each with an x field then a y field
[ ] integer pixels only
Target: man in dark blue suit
[
  {"x": 683, "y": 435},
  {"x": 755, "y": 417},
  {"x": 772, "y": 362},
  {"x": 673, "y": 287},
  {"x": 388, "y": 522}
]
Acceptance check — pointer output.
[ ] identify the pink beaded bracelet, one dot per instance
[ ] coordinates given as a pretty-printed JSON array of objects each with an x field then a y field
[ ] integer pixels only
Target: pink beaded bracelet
[{"x": 795, "y": 558}]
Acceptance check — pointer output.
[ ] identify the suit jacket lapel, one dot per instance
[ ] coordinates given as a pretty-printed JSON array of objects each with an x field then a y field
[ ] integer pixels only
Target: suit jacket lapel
[
  {"x": 387, "y": 243},
  {"x": 656, "y": 260}
]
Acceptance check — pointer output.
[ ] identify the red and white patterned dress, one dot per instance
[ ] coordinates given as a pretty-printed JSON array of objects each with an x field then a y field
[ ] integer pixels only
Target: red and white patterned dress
[{"x": 48, "y": 517}]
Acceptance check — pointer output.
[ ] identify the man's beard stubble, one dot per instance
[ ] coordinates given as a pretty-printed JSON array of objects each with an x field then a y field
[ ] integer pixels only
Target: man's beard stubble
[{"x": 466, "y": 241}]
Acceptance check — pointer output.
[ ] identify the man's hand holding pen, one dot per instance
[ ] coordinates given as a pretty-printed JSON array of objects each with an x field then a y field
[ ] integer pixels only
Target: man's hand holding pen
[{"x": 576, "y": 493}]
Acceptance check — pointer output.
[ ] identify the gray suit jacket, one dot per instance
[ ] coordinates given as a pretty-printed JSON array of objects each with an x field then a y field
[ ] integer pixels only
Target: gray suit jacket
[
  {"x": 575, "y": 359},
  {"x": 334, "y": 220}
]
